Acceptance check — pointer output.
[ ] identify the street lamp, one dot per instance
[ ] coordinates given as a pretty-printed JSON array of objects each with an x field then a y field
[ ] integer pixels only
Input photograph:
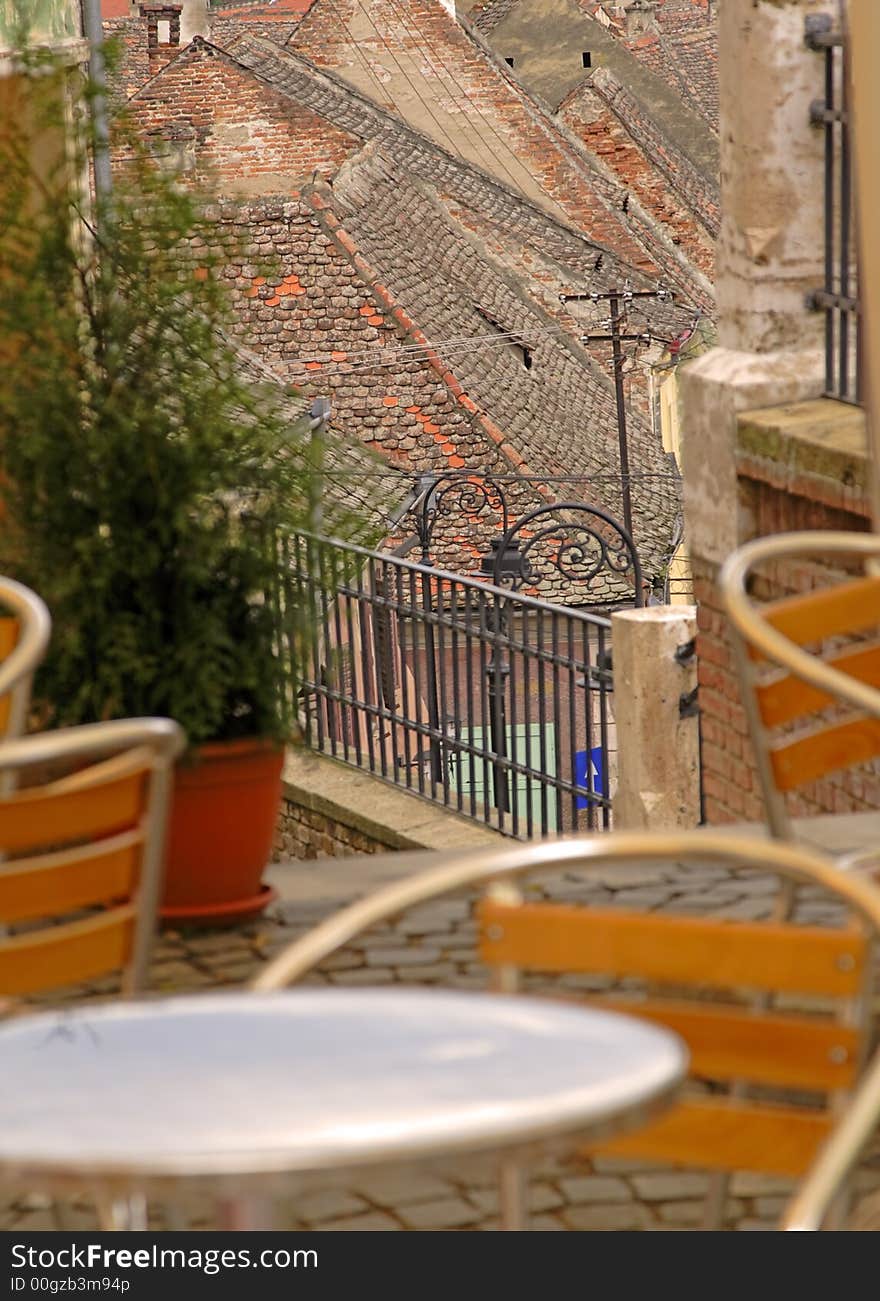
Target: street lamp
[
  {"x": 502, "y": 570},
  {"x": 469, "y": 494},
  {"x": 583, "y": 542}
]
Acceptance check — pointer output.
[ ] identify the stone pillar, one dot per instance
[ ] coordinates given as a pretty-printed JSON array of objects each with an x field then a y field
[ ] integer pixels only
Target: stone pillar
[
  {"x": 769, "y": 255},
  {"x": 655, "y": 677}
]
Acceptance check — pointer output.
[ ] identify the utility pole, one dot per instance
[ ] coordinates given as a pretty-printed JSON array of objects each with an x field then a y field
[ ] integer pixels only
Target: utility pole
[
  {"x": 615, "y": 298},
  {"x": 94, "y": 34}
]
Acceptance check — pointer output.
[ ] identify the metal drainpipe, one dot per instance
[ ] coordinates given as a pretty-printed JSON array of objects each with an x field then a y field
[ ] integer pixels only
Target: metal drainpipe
[{"x": 94, "y": 34}]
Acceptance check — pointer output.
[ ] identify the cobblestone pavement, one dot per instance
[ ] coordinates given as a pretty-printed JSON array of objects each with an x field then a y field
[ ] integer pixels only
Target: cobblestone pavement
[{"x": 435, "y": 944}]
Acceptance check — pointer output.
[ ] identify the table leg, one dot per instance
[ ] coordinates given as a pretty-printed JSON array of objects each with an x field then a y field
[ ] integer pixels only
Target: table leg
[
  {"x": 247, "y": 1214},
  {"x": 122, "y": 1214},
  {"x": 513, "y": 1198}
]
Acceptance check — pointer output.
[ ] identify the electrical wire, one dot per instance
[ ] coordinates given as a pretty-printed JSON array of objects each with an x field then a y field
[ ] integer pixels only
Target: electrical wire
[
  {"x": 383, "y": 354},
  {"x": 452, "y": 346},
  {"x": 502, "y": 477},
  {"x": 392, "y": 357},
  {"x": 423, "y": 45},
  {"x": 402, "y": 70},
  {"x": 360, "y": 54}
]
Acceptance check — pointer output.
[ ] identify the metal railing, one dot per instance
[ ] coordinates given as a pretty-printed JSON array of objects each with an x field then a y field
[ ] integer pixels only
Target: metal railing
[
  {"x": 491, "y": 703},
  {"x": 838, "y": 297}
]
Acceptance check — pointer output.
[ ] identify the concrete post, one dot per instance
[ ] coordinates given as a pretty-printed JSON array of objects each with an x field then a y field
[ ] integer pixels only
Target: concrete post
[
  {"x": 769, "y": 254},
  {"x": 658, "y": 785}
]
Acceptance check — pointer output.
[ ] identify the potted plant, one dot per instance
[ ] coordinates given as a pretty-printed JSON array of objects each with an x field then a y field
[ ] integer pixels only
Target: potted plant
[{"x": 145, "y": 480}]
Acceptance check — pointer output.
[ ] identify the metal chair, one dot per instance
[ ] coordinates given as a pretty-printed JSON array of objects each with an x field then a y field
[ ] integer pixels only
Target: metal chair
[
  {"x": 87, "y": 836},
  {"x": 754, "y": 1056},
  {"x": 814, "y": 1201},
  {"x": 90, "y": 838},
  {"x": 787, "y": 689},
  {"x": 24, "y": 637}
]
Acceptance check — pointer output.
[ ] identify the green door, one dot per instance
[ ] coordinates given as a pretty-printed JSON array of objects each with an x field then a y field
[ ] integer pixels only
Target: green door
[{"x": 529, "y": 744}]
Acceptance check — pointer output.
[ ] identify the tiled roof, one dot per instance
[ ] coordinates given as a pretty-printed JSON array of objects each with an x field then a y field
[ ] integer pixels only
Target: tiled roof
[
  {"x": 356, "y": 501},
  {"x": 680, "y": 44},
  {"x": 407, "y": 245},
  {"x": 464, "y": 182},
  {"x": 660, "y": 153},
  {"x": 440, "y": 79},
  {"x": 314, "y": 311},
  {"x": 443, "y": 278},
  {"x": 644, "y": 153},
  {"x": 489, "y": 13}
]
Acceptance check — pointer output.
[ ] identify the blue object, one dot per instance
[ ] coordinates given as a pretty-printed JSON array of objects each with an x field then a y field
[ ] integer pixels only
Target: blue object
[{"x": 591, "y": 776}]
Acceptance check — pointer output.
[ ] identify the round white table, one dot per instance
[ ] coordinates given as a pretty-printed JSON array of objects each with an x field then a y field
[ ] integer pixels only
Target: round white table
[{"x": 251, "y": 1093}]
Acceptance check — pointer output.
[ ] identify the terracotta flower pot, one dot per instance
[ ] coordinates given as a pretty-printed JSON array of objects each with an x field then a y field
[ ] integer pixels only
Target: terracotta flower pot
[{"x": 223, "y": 818}]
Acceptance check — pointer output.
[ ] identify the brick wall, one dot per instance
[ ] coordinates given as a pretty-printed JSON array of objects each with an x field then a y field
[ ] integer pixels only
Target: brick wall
[
  {"x": 132, "y": 66},
  {"x": 613, "y": 124},
  {"x": 771, "y": 501},
  {"x": 465, "y": 95},
  {"x": 677, "y": 39},
  {"x": 245, "y": 137},
  {"x": 305, "y": 833}
]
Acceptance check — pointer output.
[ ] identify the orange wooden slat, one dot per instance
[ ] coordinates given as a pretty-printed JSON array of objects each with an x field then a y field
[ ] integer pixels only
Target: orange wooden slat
[
  {"x": 9, "y": 630},
  {"x": 731, "y": 1043},
  {"x": 827, "y": 612},
  {"x": 64, "y": 955},
  {"x": 770, "y": 956},
  {"x": 723, "y": 1134},
  {"x": 788, "y": 698},
  {"x": 824, "y": 750},
  {"x": 57, "y": 883},
  {"x": 102, "y": 799}
]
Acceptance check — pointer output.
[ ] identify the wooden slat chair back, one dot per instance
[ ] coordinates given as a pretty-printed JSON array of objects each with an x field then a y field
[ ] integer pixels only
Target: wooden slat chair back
[
  {"x": 712, "y": 981},
  {"x": 730, "y": 1042},
  {"x": 810, "y": 713},
  {"x": 25, "y": 628},
  {"x": 82, "y": 831}
]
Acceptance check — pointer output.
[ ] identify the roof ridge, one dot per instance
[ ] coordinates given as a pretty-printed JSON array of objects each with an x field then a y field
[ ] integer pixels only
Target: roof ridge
[{"x": 663, "y": 101}]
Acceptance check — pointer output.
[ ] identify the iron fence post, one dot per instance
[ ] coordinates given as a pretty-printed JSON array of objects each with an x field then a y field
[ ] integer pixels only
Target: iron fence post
[
  {"x": 432, "y": 701},
  {"x": 497, "y": 673}
]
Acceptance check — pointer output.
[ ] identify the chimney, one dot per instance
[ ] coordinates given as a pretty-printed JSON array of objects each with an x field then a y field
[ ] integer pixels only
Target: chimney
[
  {"x": 194, "y": 20},
  {"x": 163, "y": 32}
]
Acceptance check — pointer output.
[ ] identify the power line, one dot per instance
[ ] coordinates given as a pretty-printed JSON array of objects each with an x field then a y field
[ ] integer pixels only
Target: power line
[
  {"x": 451, "y": 346},
  {"x": 424, "y": 43},
  {"x": 357, "y": 48},
  {"x": 504, "y": 477},
  {"x": 402, "y": 70}
]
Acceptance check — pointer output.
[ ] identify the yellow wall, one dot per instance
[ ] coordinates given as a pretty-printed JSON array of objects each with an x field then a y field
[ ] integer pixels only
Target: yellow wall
[{"x": 680, "y": 584}]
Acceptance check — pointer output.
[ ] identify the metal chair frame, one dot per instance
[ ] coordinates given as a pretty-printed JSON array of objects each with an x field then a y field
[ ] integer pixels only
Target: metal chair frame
[
  {"x": 34, "y": 627},
  {"x": 752, "y": 629},
  {"x": 498, "y": 871},
  {"x": 158, "y": 741}
]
